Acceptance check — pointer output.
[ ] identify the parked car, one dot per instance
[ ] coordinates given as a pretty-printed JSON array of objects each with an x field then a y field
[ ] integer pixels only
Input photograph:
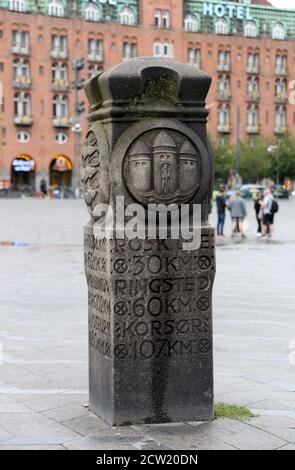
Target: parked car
[
  {"x": 280, "y": 193},
  {"x": 248, "y": 190}
]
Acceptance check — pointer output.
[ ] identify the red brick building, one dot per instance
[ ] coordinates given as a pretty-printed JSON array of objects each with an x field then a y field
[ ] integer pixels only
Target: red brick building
[{"x": 248, "y": 48}]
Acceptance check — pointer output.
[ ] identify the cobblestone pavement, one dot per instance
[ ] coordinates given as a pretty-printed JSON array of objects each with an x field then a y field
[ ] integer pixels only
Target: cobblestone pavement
[{"x": 43, "y": 337}]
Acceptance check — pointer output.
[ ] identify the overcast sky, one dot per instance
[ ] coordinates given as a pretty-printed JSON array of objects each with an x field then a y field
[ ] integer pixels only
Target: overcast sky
[{"x": 283, "y": 3}]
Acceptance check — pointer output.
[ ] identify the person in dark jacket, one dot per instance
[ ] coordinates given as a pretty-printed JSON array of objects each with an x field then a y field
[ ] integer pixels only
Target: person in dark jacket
[
  {"x": 258, "y": 211},
  {"x": 221, "y": 208}
]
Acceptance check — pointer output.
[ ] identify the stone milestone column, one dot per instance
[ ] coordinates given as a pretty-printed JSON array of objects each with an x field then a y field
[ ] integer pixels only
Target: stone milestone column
[{"x": 150, "y": 299}]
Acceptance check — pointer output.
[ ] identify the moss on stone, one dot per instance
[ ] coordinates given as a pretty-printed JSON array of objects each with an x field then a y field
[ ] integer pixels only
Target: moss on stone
[{"x": 227, "y": 410}]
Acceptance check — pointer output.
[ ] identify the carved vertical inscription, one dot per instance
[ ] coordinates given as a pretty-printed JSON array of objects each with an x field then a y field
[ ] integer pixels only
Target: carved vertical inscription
[
  {"x": 157, "y": 295},
  {"x": 99, "y": 295},
  {"x": 162, "y": 298}
]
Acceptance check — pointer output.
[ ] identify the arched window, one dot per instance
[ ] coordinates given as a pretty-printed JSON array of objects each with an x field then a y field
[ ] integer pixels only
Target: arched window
[
  {"x": 55, "y": 8},
  {"x": 252, "y": 116},
  {"x": 92, "y": 12},
  {"x": 17, "y": 5},
  {"x": 278, "y": 31},
  {"x": 280, "y": 118},
  {"x": 191, "y": 23},
  {"x": 93, "y": 70},
  {"x": 221, "y": 26},
  {"x": 250, "y": 29},
  {"x": 253, "y": 87},
  {"x": 223, "y": 115},
  {"x": 22, "y": 104},
  {"x": 126, "y": 16},
  {"x": 223, "y": 86},
  {"x": 60, "y": 106},
  {"x": 281, "y": 88}
]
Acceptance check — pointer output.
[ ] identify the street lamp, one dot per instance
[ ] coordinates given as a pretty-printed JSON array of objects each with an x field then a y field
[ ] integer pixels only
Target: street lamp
[
  {"x": 77, "y": 84},
  {"x": 272, "y": 150}
]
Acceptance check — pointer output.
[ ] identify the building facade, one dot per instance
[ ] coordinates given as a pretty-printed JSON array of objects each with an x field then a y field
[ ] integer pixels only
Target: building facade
[{"x": 247, "y": 47}]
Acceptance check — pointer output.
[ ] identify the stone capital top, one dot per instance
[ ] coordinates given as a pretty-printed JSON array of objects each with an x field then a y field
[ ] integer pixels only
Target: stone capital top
[{"x": 148, "y": 82}]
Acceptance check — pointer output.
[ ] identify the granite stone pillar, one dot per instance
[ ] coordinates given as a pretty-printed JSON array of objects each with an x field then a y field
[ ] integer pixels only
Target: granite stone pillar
[{"x": 150, "y": 300}]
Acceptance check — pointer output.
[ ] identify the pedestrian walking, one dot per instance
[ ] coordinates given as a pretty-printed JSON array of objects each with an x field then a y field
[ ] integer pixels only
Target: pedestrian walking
[
  {"x": 221, "y": 208},
  {"x": 238, "y": 212},
  {"x": 259, "y": 213},
  {"x": 269, "y": 208}
]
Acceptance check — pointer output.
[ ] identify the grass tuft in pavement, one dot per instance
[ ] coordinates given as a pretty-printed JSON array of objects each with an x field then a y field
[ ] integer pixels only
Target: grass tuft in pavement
[{"x": 226, "y": 410}]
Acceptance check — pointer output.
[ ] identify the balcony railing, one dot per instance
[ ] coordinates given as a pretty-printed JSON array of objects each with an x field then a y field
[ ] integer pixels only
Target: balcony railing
[
  {"x": 60, "y": 85},
  {"x": 280, "y": 129},
  {"x": 223, "y": 67},
  {"x": 281, "y": 71},
  {"x": 253, "y": 96},
  {"x": 281, "y": 98},
  {"x": 92, "y": 57},
  {"x": 59, "y": 53},
  {"x": 223, "y": 128},
  {"x": 195, "y": 63},
  {"x": 61, "y": 122},
  {"x": 253, "y": 69},
  {"x": 20, "y": 49},
  {"x": 22, "y": 82},
  {"x": 23, "y": 120},
  {"x": 254, "y": 129},
  {"x": 224, "y": 95}
]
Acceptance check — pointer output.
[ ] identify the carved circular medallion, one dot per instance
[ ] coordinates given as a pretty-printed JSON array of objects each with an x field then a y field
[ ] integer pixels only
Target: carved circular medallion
[{"x": 162, "y": 166}]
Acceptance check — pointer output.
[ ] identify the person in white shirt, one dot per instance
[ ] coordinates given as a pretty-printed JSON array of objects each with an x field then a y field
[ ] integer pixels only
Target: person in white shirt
[{"x": 268, "y": 217}]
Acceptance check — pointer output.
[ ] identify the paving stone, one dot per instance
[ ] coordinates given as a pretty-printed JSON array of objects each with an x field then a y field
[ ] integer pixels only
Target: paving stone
[
  {"x": 67, "y": 412},
  {"x": 34, "y": 425},
  {"x": 240, "y": 434},
  {"x": 280, "y": 426}
]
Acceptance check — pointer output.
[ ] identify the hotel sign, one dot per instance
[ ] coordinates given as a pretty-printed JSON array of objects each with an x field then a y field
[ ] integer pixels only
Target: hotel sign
[
  {"x": 110, "y": 2},
  {"x": 228, "y": 10}
]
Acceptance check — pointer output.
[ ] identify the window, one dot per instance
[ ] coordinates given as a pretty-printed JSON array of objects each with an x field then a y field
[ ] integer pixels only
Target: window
[
  {"x": 253, "y": 60},
  {"x": 194, "y": 56},
  {"x": 61, "y": 138},
  {"x": 223, "y": 86},
  {"x": 162, "y": 18},
  {"x": 166, "y": 19},
  {"x": 280, "y": 118},
  {"x": 253, "y": 87},
  {"x": 59, "y": 71},
  {"x": 221, "y": 26},
  {"x": 95, "y": 49},
  {"x": 223, "y": 115},
  {"x": 23, "y": 137},
  {"x": 191, "y": 23},
  {"x": 59, "y": 46},
  {"x": 278, "y": 31},
  {"x": 17, "y": 5},
  {"x": 20, "y": 42},
  {"x": 22, "y": 104},
  {"x": 129, "y": 50},
  {"x": 163, "y": 50},
  {"x": 60, "y": 106},
  {"x": 20, "y": 68},
  {"x": 93, "y": 70},
  {"x": 158, "y": 18},
  {"x": 252, "y": 116},
  {"x": 92, "y": 12},
  {"x": 281, "y": 64},
  {"x": 55, "y": 8},
  {"x": 281, "y": 88},
  {"x": 250, "y": 29},
  {"x": 223, "y": 61},
  {"x": 126, "y": 16}
]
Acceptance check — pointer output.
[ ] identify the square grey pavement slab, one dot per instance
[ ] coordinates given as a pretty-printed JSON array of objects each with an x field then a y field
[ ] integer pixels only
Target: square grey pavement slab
[{"x": 43, "y": 338}]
